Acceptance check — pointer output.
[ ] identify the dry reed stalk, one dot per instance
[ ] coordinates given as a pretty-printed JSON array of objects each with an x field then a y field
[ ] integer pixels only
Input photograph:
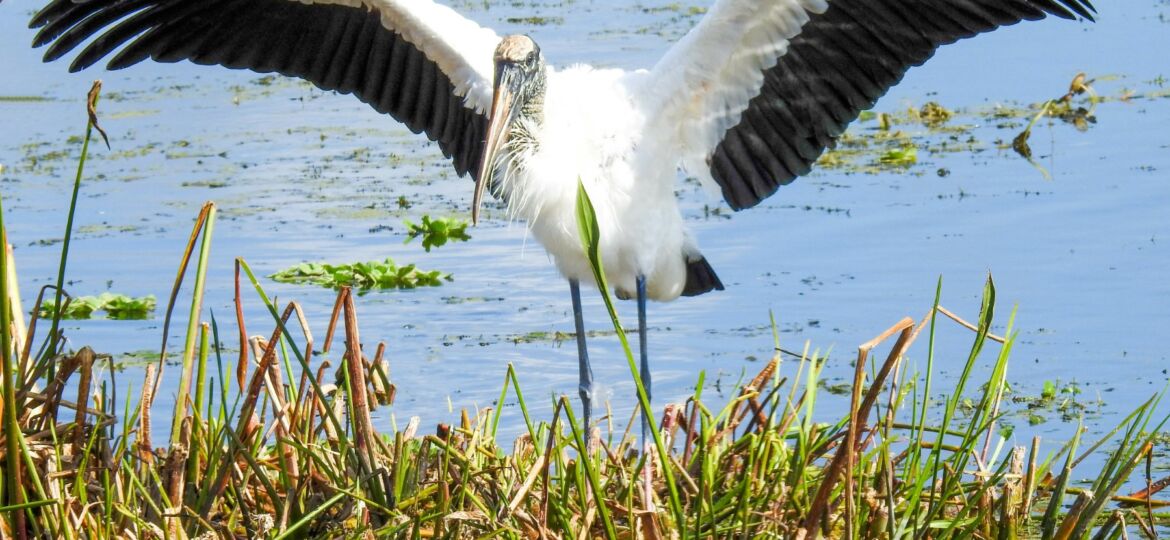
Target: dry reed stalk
[
  {"x": 1147, "y": 527},
  {"x": 19, "y": 330},
  {"x": 672, "y": 419},
  {"x": 379, "y": 375},
  {"x": 303, "y": 408},
  {"x": 144, "y": 407},
  {"x": 258, "y": 345},
  {"x": 1030, "y": 478},
  {"x": 274, "y": 384},
  {"x": 1011, "y": 507},
  {"x": 1074, "y": 513},
  {"x": 1150, "y": 489},
  {"x": 969, "y": 326},
  {"x": 534, "y": 471},
  {"x": 242, "y": 363},
  {"x": 690, "y": 441},
  {"x": 858, "y": 415},
  {"x": 84, "y": 359},
  {"x": 649, "y": 525},
  {"x": 55, "y": 390},
  {"x": 1125, "y": 501},
  {"x": 296, "y": 408},
  {"x": 338, "y": 409},
  {"x": 548, "y": 453},
  {"x": 41, "y": 398},
  {"x": 247, "y": 423},
  {"x": 333, "y": 318},
  {"x": 318, "y": 406},
  {"x": 362, "y": 424},
  {"x": 735, "y": 417},
  {"x": 411, "y": 428},
  {"x": 175, "y": 474},
  {"x": 27, "y": 377},
  {"x": 913, "y": 336},
  {"x": 282, "y": 421}
]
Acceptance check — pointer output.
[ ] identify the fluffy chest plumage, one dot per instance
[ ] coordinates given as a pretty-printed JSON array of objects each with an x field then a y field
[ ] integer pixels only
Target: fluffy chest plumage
[{"x": 593, "y": 130}]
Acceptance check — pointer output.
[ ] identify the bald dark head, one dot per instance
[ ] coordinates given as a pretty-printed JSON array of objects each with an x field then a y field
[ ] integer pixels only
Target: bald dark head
[{"x": 516, "y": 49}]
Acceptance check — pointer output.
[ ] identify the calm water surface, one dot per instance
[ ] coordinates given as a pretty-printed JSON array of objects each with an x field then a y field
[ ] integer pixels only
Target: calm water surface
[{"x": 300, "y": 175}]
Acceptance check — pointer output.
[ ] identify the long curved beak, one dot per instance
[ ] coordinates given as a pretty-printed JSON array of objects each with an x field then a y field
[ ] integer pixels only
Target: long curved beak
[{"x": 508, "y": 81}]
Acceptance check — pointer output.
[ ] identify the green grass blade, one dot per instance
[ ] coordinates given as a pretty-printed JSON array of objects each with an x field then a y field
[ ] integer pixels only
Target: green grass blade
[
  {"x": 192, "y": 337},
  {"x": 591, "y": 243}
]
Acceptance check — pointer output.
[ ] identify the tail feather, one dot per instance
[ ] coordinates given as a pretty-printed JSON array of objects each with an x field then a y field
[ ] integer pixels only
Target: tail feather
[{"x": 701, "y": 278}]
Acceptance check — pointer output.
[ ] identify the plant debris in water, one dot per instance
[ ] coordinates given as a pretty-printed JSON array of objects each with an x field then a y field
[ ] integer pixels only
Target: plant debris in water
[
  {"x": 363, "y": 275},
  {"x": 115, "y": 306},
  {"x": 437, "y": 232},
  {"x": 895, "y": 141},
  {"x": 1062, "y": 108}
]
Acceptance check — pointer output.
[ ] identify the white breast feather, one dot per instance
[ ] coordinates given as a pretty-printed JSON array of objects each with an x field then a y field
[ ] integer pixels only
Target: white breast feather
[{"x": 593, "y": 130}]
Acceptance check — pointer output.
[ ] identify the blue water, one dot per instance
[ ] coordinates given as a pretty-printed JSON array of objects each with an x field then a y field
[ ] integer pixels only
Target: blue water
[{"x": 837, "y": 257}]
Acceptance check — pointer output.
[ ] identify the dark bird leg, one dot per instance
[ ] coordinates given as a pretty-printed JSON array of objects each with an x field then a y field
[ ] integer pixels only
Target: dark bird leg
[
  {"x": 644, "y": 370},
  {"x": 586, "y": 386}
]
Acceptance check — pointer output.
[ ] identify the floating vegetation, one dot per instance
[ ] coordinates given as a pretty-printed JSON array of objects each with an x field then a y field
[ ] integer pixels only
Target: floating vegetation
[
  {"x": 24, "y": 99},
  {"x": 536, "y": 20},
  {"x": 364, "y": 276},
  {"x": 934, "y": 115},
  {"x": 115, "y": 306},
  {"x": 1060, "y": 108},
  {"x": 894, "y": 142},
  {"x": 901, "y": 157},
  {"x": 437, "y": 232},
  {"x": 1064, "y": 400},
  {"x": 871, "y": 153}
]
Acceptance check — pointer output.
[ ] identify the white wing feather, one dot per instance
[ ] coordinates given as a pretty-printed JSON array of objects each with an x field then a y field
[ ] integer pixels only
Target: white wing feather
[{"x": 705, "y": 81}]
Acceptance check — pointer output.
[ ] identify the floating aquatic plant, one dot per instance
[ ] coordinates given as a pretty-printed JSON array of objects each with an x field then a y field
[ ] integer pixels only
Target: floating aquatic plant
[
  {"x": 437, "y": 232},
  {"x": 116, "y": 306},
  {"x": 385, "y": 274}
]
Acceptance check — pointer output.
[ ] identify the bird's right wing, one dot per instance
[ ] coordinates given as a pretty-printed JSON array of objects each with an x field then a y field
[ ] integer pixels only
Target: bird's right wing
[
  {"x": 760, "y": 88},
  {"x": 420, "y": 62}
]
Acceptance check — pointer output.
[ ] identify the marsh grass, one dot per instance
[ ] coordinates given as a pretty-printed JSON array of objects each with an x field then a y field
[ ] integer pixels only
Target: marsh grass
[{"x": 278, "y": 442}]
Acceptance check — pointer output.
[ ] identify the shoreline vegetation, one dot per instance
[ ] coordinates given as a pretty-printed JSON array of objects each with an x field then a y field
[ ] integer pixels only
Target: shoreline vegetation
[{"x": 277, "y": 443}]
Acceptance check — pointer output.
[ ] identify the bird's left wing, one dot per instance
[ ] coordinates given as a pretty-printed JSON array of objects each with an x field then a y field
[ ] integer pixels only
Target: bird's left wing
[
  {"x": 759, "y": 89},
  {"x": 418, "y": 61}
]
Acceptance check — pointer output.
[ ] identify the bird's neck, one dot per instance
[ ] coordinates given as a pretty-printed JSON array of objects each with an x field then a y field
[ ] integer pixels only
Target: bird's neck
[
  {"x": 522, "y": 136},
  {"x": 533, "y": 110},
  {"x": 523, "y": 139}
]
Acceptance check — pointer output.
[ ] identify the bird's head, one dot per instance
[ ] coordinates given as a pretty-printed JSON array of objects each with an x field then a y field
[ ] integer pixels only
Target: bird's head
[{"x": 519, "y": 93}]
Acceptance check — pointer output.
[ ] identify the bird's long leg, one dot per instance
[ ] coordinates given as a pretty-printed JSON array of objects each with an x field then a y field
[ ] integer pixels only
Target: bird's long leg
[
  {"x": 644, "y": 370},
  {"x": 586, "y": 386}
]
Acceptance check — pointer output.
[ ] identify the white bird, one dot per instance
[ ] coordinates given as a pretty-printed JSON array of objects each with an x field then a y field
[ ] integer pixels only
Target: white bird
[{"x": 746, "y": 102}]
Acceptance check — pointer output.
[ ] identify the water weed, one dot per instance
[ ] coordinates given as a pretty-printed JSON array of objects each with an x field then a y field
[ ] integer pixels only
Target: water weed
[{"x": 370, "y": 275}]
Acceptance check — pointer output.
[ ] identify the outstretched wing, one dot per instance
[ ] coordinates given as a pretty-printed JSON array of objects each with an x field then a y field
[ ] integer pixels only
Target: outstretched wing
[
  {"x": 760, "y": 92},
  {"x": 418, "y": 61}
]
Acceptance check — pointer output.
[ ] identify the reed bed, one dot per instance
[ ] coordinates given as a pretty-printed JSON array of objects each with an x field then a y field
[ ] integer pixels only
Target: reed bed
[{"x": 272, "y": 440}]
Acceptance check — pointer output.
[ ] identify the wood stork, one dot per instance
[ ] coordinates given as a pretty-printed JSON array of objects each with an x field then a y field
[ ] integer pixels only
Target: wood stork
[{"x": 746, "y": 102}]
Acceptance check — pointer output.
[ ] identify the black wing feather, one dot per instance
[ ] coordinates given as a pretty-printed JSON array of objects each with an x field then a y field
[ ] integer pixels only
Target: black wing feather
[
  {"x": 336, "y": 47},
  {"x": 842, "y": 61}
]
